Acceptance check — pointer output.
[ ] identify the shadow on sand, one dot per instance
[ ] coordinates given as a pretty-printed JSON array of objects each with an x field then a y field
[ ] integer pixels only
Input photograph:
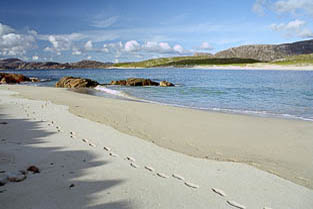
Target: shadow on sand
[{"x": 60, "y": 168}]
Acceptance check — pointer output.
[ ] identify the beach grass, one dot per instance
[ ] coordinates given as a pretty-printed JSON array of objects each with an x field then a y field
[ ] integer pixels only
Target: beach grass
[{"x": 304, "y": 59}]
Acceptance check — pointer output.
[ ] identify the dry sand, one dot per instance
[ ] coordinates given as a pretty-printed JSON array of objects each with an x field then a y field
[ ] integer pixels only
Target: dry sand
[
  {"x": 104, "y": 181},
  {"x": 258, "y": 66}
]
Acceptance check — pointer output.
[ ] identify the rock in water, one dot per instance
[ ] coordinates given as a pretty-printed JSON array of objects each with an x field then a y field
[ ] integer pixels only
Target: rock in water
[
  {"x": 33, "y": 169},
  {"x": 120, "y": 82},
  {"x": 135, "y": 82},
  {"x": 12, "y": 78},
  {"x": 166, "y": 84},
  {"x": 140, "y": 82},
  {"x": 16, "y": 177},
  {"x": 76, "y": 82},
  {"x": 3, "y": 179}
]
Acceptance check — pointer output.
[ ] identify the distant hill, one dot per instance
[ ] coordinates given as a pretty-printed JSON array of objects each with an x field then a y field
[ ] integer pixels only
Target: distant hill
[
  {"x": 268, "y": 52},
  {"x": 186, "y": 62},
  {"x": 13, "y": 63}
]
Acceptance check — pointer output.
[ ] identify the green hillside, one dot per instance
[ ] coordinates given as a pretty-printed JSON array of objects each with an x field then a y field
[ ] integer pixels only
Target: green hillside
[
  {"x": 305, "y": 59},
  {"x": 187, "y": 61}
]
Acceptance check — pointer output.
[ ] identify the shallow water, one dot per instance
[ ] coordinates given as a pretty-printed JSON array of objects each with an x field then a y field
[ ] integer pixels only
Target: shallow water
[{"x": 265, "y": 93}]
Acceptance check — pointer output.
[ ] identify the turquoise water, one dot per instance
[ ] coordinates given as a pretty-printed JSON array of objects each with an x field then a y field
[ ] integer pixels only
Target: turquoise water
[{"x": 265, "y": 93}]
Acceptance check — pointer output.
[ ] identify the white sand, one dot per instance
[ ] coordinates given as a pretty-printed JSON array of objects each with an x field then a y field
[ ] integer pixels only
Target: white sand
[
  {"x": 102, "y": 181},
  {"x": 257, "y": 66}
]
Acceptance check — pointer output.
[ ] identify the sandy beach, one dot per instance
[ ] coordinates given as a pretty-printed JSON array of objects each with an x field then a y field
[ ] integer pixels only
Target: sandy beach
[
  {"x": 258, "y": 66},
  {"x": 159, "y": 156}
]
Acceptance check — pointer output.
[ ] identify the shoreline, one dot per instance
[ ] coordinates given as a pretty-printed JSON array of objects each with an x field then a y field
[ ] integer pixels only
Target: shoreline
[
  {"x": 257, "y": 66},
  {"x": 260, "y": 114},
  {"x": 279, "y": 146}
]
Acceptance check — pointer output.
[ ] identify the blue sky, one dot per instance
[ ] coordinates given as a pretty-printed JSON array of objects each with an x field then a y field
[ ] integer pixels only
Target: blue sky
[{"x": 117, "y": 31}]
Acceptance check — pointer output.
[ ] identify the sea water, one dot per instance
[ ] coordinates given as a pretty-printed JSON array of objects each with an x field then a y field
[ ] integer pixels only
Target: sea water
[{"x": 258, "y": 92}]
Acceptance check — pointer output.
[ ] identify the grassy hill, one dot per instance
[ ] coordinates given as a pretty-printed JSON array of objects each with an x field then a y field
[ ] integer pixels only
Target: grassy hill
[
  {"x": 187, "y": 61},
  {"x": 305, "y": 59}
]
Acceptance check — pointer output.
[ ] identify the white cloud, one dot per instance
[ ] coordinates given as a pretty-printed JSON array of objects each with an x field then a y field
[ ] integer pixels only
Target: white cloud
[
  {"x": 293, "y": 6},
  {"x": 162, "y": 48},
  {"x": 293, "y": 25},
  {"x": 5, "y": 29},
  {"x": 206, "y": 46},
  {"x": 88, "y": 45},
  {"x": 295, "y": 28},
  {"x": 165, "y": 46},
  {"x": 131, "y": 46},
  {"x": 13, "y": 43},
  {"x": 61, "y": 42},
  {"x": 76, "y": 52},
  {"x": 35, "y": 57},
  {"x": 259, "y": 6},
  {"x": 101, "y": 22},
  {"x": 178, "y": 48}
]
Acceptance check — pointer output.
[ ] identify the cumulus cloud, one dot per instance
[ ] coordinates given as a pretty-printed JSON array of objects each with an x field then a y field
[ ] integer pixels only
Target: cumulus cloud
[
  {"x": 162, "y": 48},
  {"x": 35, "y": 58},
  {"x": 60, "y": 43},
  {"x": 76, "y": 51},
  {"x": 206, "y": 46},
  {"x": 131, "y": 46},
  {"x": 178, "y": 48},
  {"x": 295, "y": 28},
  {"x": 259, "y": 6},
  {"x": 13, "y": 43},
  {"x": 294, "y": 6},
  {"x": 88, "y": 45}
]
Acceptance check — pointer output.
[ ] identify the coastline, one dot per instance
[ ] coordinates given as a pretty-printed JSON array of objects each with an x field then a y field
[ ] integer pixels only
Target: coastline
[
  {"x": 257, "y": 66},
  {"x": 279, "y": 146}
]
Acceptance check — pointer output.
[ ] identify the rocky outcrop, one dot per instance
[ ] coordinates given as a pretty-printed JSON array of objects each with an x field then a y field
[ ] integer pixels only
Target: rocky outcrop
[
  {"x": 120, "y": 83},
  {"x": 268, "y": 52},
  {"x": 74, "y": 82},
  {"x": 84, "y": 64},
  {"x": 140, "y": 82},
  {"x": 166, "y": 84},
  {"x": 135, "y": 82},
  {"x": 12, "y": 78}
]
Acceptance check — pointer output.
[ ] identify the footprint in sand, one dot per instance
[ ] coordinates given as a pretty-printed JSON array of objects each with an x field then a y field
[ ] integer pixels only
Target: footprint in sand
[
  {"x": 162, "y": 175},
  {"x": 92, "y": 144},
  {"x": 191, "y": 185},
  {"x": 113, "y": 154},
  {"x": 134, "y": 165},
  {"x": 107, "y": 148},
  {"x": 235, "y": 204},
  {"x": 267, "y": 208},
  {"x": 219, "y": 192},
  {"x": 85, "y": 140},
  {"x": 130, "y": 159},
  {"x": 179, "y": 177},
  {"x": 149, "y": 168}
]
